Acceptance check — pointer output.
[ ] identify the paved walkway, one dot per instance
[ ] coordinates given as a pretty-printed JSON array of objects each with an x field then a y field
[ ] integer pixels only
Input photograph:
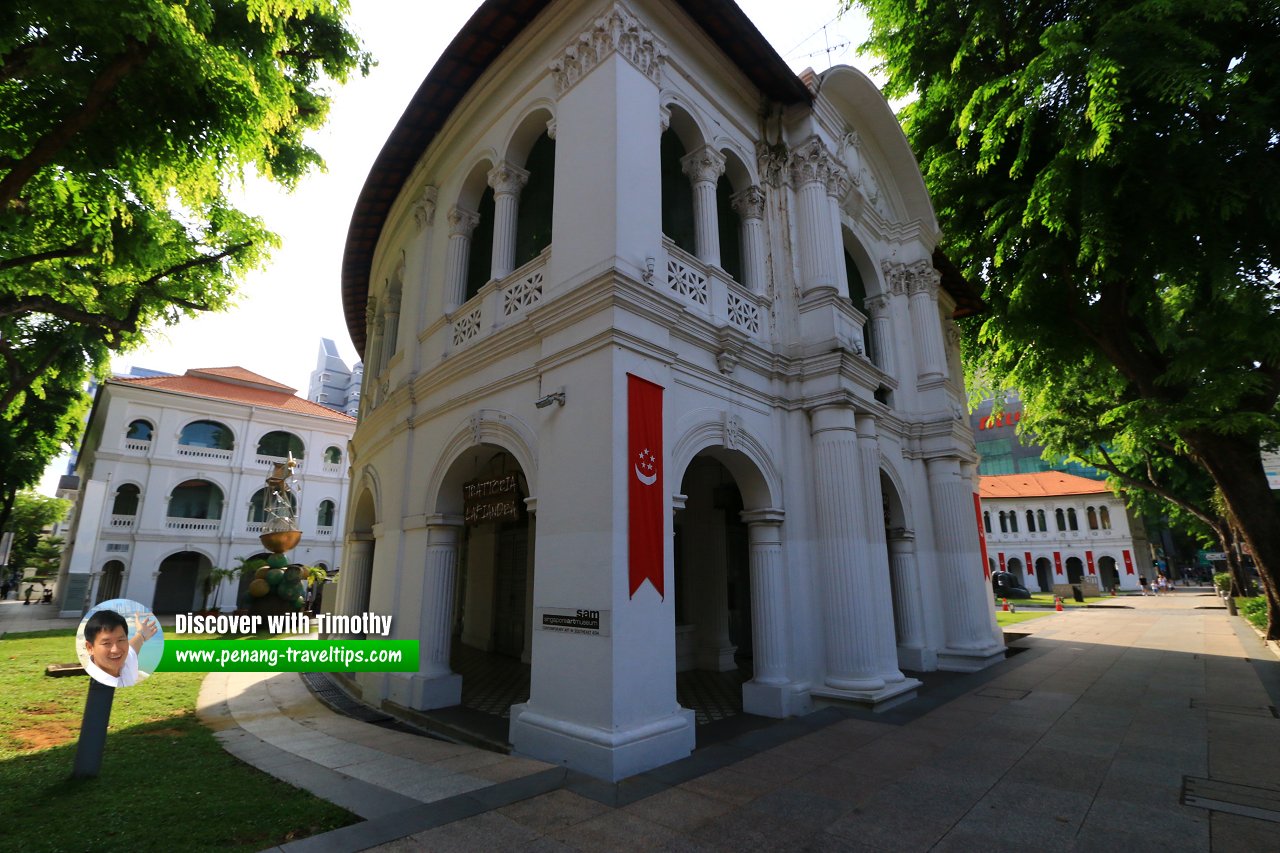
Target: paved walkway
[
  {"x": 1150, "y": 727},
  {"x": 17, "y": 618}
]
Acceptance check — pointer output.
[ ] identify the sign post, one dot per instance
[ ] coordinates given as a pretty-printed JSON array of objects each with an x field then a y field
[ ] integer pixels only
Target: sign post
[{"x": 93, "y": 730}]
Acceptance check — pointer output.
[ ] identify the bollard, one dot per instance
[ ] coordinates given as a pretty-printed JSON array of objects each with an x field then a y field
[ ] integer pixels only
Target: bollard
[{"x": 93, "y": 730}]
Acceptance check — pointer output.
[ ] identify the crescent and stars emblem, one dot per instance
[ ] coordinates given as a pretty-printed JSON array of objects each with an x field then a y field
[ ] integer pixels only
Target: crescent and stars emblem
[{"x": 646, "y": 463}]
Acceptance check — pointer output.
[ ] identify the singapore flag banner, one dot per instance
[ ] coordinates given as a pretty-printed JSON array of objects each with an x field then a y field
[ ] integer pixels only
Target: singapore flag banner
[{"x": 644, "y": 474}]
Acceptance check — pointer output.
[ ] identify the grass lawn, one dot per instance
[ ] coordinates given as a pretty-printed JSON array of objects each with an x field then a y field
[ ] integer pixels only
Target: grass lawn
[
  {"x": 1003, "y": 618},
  {"x": 166, "y": 783},
  {"x": 1046, "y": 599}
]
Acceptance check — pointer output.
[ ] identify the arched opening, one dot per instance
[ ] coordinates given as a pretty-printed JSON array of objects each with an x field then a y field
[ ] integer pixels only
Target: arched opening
[
  {"x": 1014, "y": 567},
  {"x": 139, "y": 430},
  {"x": 1044, "y": 574},
  {"x": 730, "y": 230},
  {"x": 1013, "y": 521},
  {"x": 358, "y": 570},
  {"x": 126, "y": 500},
  {"x": 178, "y": 588},
  {"x": 210, "y": 435},
  {"x": 1044, "y": 528},
  {"x": 1004, "y": 522},
  {"x": 1091, "y": 517},
  {"x": 1104, "y": 518},
  {"x": 537, "y": 200},
  {"x": 196, "y": 499},
  {"x": 111, "y": 582},
  {"x": 986, "y": 520},
  {"x": 677, "y": 194},
  {"x": 1071, "y": 519},
  {"x": 325, "y": 513},
  {"x": 332, "y": 456},
  {"x": 480, "y": 256},
  {"x": 1075, "y": 570},
  {"x": 1108, "y": 573},
  {"x": 278, "y": 444},
  {"x": 1059, "y": 518},
  {"x": 1031, "y": 522}
]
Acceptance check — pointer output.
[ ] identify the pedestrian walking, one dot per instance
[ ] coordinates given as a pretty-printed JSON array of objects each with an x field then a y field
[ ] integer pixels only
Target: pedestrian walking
[
  {"x": 27, "y": 601},
  {"x": 1142, "y": 582},
  {"x": 4, "y": 591}
]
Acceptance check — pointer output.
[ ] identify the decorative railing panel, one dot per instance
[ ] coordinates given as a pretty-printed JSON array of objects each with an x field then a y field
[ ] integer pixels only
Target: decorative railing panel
[
  {"x": 743, "y": 312},
  {"x": 523, "y": 293},
  {"x": 121, "y": 522},
  {"x": 193, "y": 524},
  {"x": 466, "y": 327},
  {"x": 684, "y": 279},
  {"x": 204, "y": 452}
]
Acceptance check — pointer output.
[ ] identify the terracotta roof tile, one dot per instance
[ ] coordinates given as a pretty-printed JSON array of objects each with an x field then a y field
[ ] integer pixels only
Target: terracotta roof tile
[
  {"x": 1039, "y": 485},
  {"x": 228, "y": 383}
]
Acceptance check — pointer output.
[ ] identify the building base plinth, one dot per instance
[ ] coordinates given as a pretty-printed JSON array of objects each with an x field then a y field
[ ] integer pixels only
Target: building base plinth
[
  {"x": 607, "y": 755},
  {"x": 917, "y": 659},
  {"x": 716, "y": 660},
  {"x": 776, "y": 700},
  {"x": 970, "y": 660},
  {"x": 422, "y": 692},
  {"x": 882, "y": 699}
]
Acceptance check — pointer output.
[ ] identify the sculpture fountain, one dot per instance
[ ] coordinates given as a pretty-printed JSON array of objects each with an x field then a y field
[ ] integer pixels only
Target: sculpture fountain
[{"x": 278, "y": 587}]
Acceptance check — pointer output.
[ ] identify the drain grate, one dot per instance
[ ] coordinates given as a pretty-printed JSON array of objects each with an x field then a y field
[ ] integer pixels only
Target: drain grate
[
  {"x": 330, "y": 694},
  {"x": 1240, "y": 710},
  {"x": 1246, "y": 800},
  {"x": 1002, "y": 693}
]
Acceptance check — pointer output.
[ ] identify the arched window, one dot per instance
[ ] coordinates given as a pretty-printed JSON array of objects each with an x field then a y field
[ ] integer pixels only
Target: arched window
[
  {"x": 533, "y": 218},
  {"x": 196, "y": 499},
  {"x": 139, "y": 430},
  {"x": 1004, "y": 522},
  {"x": 1031, "y": 522},
  {"x": 280, "y": 444},
  {"x": 1104, "y": 518},
  {"x": 324, "y": 515},
  {"x": 126, "y": 500},
  {"x": 857, "y": 290},
  {"x": 986, "y": 520},
  {"x": 1040, "y": 517},
  {"x": 1062, "y": 525},
  {"x": 332, "y": 456},
  {"x": 1013, "y": 521},
  {"x": 480, "y": 258},
  {"x": 258, "y": 509},
  {"x": 730, "y": 228},
  {"x": 1071, "y": 518},
  {"x": 210, "y": 434},
  {"x": 677, "y": 194},
  {"x": 1091, "y": 516}
]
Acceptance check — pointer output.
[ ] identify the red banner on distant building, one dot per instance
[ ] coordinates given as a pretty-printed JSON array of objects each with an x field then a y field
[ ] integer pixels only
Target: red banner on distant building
[
  {"x": 1128, "y": 563},
  {"x": 1030, "y": 569},
  {"x": 644, "y": 476},
  {"x": 1000, "y": 559},
  {"x": 982, "y": 535},
  {"x": 1057, "y": 562},
  {"x": 1088, "y": 558}
]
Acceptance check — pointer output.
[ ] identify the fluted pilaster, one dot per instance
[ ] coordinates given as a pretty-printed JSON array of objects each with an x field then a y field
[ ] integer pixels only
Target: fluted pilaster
[
  {"x": 849, "y": 628},
  {"x": 507, "y": 181},
  {"x": 749, "y": 205},
  {"x": 354, "y": 581},
  {"x": 876, "y": 585},
  {"x": 461, "y": 224},
  {"x": 881, "y": 333},
  {"x": 704, "y": 168},
  {"x": 926, "y": 324},
  {"x": 965, "y": 598},
  {"x": 435, "y": 622},
  {"x": 811, "y": 167},
  {"x": 768, "y": 596},
  {"x": 905, "y": 575}
]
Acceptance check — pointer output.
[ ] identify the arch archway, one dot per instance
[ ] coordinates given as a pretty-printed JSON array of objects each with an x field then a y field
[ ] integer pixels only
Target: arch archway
[
  {"x": 1108, "y": 573},
  {"x": 1075, "y": 570},
  {"x": 178, "y": 585},
  {"x": 1044, "y": 574},
  {"x": 112, "y": 580}
]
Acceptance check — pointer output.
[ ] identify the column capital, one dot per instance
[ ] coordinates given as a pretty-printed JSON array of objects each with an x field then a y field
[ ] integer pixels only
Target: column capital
[
  {"x": 811, "y": 162},
  {"x": 424, "y": 211},
  {"x": 833, "y": 416},
  {"x": 749, "y": 204},
  {"x": 705, "y": 165},
  {"x": 442, "y": 520},
  {"x": 923, "y": 278},
  {"x": 839, "y": 182},
  {"x": 507, "y": 179},
  {"x": 866, "y": 426},
  {"x": 878, "y": 305},
  {"x": 462, "y": 222},
  {"x": 768, "y": 517}
]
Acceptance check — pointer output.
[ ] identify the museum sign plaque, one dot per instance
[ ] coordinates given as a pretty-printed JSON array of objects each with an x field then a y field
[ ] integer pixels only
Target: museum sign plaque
[{"x": 495, "y": 499}]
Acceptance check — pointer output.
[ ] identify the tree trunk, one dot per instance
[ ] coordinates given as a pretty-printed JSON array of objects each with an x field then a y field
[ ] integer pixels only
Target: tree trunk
[{"x": 1235, "y": 463}]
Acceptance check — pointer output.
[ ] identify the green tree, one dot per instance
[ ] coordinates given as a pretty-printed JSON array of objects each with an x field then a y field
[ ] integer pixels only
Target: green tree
[
  {"x": 31, "y": 514},
  {"x": 121, "y": 134},
  {"x": 1108, "y": 173}
]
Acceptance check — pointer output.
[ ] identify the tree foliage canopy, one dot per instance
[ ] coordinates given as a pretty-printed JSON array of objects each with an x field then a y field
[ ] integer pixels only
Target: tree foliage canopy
[
  {"x": 121, "y": 133},
  {"x": 1108, "y": 172},
  {"x": 31, "y": 514}
]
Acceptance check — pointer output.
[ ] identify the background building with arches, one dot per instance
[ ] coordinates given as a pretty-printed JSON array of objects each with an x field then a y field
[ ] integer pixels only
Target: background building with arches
[
  {"x": 171, "y": 484},
  {"x": 759, "y": 246},
  {"x": 1051, "y": 528}
]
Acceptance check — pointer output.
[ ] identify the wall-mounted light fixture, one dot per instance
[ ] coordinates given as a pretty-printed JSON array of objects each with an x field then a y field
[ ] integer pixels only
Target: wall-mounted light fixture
[
  {"x": 648, "y": 270},
  {"x": 555, "y": 397}
]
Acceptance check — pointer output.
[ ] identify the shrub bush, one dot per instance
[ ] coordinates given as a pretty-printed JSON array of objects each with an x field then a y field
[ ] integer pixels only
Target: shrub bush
[
  {"x": 1255, "y": 610},
  {"x": 1222, "y": 582}
]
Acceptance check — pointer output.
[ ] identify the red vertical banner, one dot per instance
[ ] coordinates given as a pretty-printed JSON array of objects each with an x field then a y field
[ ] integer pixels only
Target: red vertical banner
[
  {"x": 1057, "y": 562},
  {"x": 1030, "y": 568},
  {"x": 644, "y": 478},
  {"x": 982, "y": 535},
  {"x": 1128, "y": 563},
  {"x": 1000, "y": 558},
  {"x": 1088, "y": 557}
]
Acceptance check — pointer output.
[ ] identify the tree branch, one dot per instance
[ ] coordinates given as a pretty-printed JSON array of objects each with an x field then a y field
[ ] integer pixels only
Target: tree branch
[
  {"x": 95, "y": 101},
  {"x": 79, "y": 251},
  {"x": 1155, "y": 488}
]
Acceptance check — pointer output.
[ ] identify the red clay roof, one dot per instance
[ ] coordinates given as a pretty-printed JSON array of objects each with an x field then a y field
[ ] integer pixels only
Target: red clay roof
[
  {"x": 236, "y": 385},
  {"x": 1039, "y": 485}
]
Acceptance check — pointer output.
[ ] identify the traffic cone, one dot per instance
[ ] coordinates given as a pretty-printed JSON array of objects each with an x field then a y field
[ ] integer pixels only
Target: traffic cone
[
  {"x": 1006, "y": 605},
  {"x": 1057, "y": 603}
]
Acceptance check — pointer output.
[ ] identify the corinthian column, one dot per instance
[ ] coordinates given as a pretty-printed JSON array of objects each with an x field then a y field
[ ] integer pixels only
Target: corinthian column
[
  {"x": 811, "y": 165},
  {"x": 354, "y": 582},
  {"x": 926, "y": 325},
  {"x": 704, "y": 168},
  {"x": 749, "y": 205},
  {"x": 507, "y": 181},
  {"x": 768, "y": 596},
  {"x": 880, "y": 345},
  {"x": 461, "y": 224},
  {"x": 435, "y": 685},
  {"x": 849, "y": 617},
  {"x": 965, "y": 591},
  {"x": 905, "y": 575},
  {"x": 876, "y": 587}
]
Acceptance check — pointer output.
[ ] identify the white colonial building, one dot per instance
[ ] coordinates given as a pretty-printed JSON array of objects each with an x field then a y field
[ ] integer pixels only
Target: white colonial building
[
  {"x": 1052, "y": 528},
  {"x": 172, "y": 471},
  {"x": 587, "y": 195}
]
